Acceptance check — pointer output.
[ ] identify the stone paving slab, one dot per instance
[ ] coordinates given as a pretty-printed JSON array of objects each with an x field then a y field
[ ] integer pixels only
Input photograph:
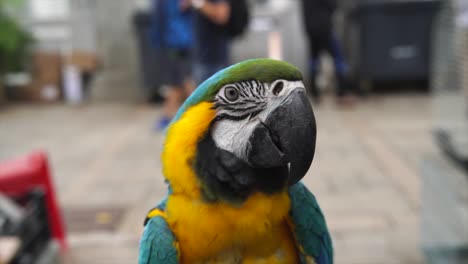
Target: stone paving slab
[{"x": 365, "y": 174}]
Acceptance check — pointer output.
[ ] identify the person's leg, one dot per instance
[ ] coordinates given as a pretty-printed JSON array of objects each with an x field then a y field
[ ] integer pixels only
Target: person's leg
[
  {"x": 174, "y": 97},
  {"x": 314, "y": 63},
  {"x": 199, "y": 72},
  {"x": 214, "y": 68},
  {"x": 341, "y": 67},
  {"x": 189, "y": 87},
  {"x": 189, "y": 84},
  {"x": 203, "y": 71},
  {"x": 175, "y": 91}
]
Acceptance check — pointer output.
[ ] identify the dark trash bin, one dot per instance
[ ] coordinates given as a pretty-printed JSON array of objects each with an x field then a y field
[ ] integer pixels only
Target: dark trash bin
[
  {"x": 151, "y": 72},
  {"x": 389, "y": 40}
]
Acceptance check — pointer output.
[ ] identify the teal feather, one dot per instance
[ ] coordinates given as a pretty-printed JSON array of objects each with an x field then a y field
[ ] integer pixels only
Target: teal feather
[
  {"x": 309, "y": 223},
  {"x": 157, "y": 243}
]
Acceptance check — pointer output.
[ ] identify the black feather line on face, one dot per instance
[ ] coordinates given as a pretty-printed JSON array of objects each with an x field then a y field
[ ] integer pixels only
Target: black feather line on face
[
  {"x": 250, "y": 101},
  {"x": 257, "y": 92},
  {"x": 241, "y": 109},
  {"x": 233, "y": 118},
  {"x": 247, "y": 89},
  {"x": 241, "y": 90},
  {"x": 254, "y": 114}
]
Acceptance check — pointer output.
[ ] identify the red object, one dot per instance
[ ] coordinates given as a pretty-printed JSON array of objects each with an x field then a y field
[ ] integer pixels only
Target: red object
[{"x": 22, "y": 175}]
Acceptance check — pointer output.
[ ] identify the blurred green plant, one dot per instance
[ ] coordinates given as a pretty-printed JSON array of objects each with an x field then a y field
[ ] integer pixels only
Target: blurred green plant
[{"x": 15, "y": 41}]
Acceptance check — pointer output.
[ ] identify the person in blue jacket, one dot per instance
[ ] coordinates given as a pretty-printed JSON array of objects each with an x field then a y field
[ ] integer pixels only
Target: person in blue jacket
[
  {"x": 172, "y": 31},
  {"x": 211, "y": 43}
]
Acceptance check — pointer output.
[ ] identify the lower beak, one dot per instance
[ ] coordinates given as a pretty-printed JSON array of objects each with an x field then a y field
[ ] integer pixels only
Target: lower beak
[{"x": 286, "y": 138}]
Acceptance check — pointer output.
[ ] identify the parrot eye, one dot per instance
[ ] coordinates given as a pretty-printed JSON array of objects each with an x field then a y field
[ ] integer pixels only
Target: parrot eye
[
  {"x": 231, "y": 93},
  {"x": 278, "y": 87}
]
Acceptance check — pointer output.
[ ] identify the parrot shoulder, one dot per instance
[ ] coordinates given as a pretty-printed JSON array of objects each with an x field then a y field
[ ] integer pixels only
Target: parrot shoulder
[
  {"x": 309, "y": 226},
  {"x": 158, "y": 244},
  {"x": 158, "y": 209}
]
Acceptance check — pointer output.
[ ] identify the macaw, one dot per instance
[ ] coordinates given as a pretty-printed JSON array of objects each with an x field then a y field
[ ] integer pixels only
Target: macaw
[{"x": 233, "y": 158}]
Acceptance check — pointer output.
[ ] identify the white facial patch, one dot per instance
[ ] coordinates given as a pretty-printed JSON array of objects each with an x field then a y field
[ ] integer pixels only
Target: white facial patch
[{"x": 240, "y": 117}]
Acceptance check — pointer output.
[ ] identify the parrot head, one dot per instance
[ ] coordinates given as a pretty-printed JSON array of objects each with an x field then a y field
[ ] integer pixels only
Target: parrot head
[{"x": 249, "y": 128}]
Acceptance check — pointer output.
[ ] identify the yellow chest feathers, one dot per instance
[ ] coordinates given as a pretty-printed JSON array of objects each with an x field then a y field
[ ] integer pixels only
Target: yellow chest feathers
[{"x": 256, "y": 232}]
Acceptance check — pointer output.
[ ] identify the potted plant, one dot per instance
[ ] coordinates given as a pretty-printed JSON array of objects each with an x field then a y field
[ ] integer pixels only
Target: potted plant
[{"x": 14, "y": 42}]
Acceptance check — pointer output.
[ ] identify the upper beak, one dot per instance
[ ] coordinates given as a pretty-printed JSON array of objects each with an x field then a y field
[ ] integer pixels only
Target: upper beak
[{"x": 287, "y": 137}]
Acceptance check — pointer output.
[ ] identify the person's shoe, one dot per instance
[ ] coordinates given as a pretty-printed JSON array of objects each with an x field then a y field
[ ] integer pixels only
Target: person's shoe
[
  {"x": 162, "y": 123},
  {"x": 345, "y": 101},
  {"x": 316, "y": 100}
]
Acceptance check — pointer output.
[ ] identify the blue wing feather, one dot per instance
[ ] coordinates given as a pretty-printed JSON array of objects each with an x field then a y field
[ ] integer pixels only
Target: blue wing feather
[
  {"x": 157, "y": 245},
  {"x": 309, "y": 225}
]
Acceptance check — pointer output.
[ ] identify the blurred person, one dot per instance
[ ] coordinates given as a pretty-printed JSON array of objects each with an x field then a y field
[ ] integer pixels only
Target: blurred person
[
  {"x": 211, "y": 43},
  {"x": 318, "y": 20},
  {"x": 172, "y": 31}
]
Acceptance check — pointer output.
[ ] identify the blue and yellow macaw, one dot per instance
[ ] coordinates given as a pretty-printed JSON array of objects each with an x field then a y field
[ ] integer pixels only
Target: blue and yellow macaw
[{"x": 233, "y": 157}]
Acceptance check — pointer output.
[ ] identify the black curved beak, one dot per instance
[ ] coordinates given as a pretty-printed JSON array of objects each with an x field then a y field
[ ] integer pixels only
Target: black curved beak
[{"x": 286, "y": 138}]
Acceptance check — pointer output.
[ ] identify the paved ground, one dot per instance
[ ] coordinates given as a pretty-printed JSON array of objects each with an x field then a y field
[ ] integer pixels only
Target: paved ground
[{"x": 106, "y": 165}]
